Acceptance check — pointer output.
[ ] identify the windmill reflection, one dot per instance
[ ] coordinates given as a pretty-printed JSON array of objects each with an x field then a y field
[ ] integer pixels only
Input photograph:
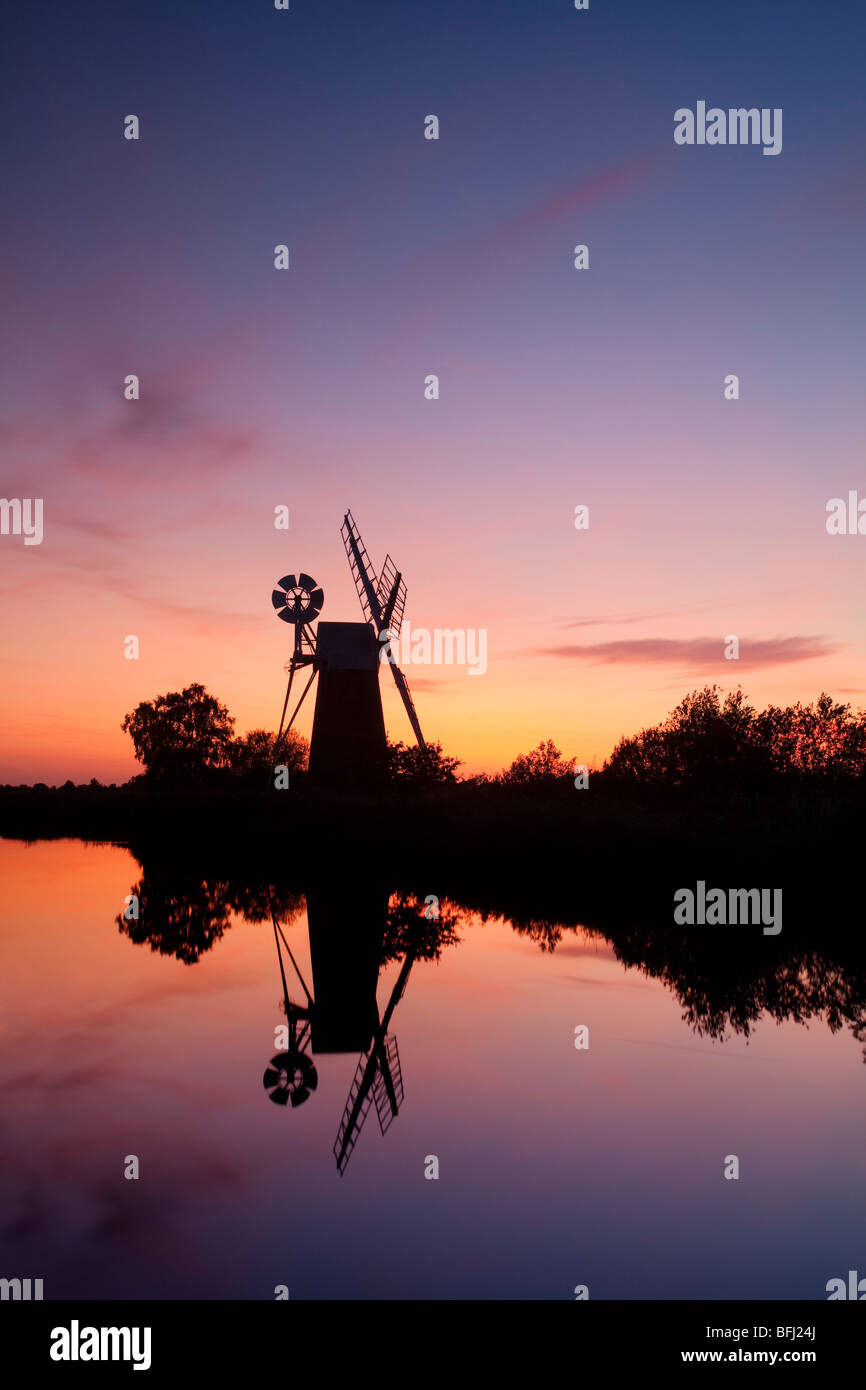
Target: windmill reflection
[
  {"x": 351, "y": 936},
  {"x": 355, "y": 928},
  {"x": 378, "y": 1078}
]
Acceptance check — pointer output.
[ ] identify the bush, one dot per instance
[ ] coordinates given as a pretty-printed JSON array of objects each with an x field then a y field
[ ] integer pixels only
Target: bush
[
  {"x": 252, "y": 758},
  {"x": 413, "y": 766},
  {"x": 544, "y": 764}
]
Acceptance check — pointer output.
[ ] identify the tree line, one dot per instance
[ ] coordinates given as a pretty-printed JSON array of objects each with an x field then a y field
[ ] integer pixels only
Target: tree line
[{"x": 188, "y": 736}]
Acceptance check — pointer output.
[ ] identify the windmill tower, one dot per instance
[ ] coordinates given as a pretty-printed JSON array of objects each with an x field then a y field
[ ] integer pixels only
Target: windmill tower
[{"x": 348, "y": 743}]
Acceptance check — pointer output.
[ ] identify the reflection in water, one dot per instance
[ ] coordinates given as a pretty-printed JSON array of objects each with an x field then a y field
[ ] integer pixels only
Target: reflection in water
[
  {"x": 183, "y": 916},
  {"x": 351, "y": 937},
  {"x": 348, "y": 945},
  {"x": 724, "y": 982},
  {"x": 558, "y": 1166},
  {"x": 291, "y": 1076}
]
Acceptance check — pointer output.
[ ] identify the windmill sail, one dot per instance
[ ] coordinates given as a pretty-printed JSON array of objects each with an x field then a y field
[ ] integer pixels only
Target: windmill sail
[
  {"x": 362, "y": 571},
  {"x": 403, "y": 686},
  {"x": 378, "y": 1077},
  {"x": 391, "y": 593},
  {"x": 383, "y": 602}
]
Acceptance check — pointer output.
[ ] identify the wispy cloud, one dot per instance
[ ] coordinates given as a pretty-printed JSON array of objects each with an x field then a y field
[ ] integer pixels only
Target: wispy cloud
[
  {"x": 96, "y": 529},
  {"x": 477, "y": 261},
  {"x": 610, "y": 183},
  {"x": 698, "y": 653},
  {"x": 642, "y": 615},
  {"x": 176, "y": 436}
]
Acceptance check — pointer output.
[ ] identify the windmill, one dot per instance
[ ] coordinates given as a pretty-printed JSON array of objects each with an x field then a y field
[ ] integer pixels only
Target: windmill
[{"x": 348, "y": 741}]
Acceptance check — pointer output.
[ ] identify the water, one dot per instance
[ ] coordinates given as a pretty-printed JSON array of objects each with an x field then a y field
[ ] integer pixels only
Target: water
[{"x": 557, "y": 1166}]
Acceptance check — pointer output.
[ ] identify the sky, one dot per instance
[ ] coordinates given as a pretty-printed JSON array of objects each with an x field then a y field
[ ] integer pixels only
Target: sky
[{"x": 304, "y": 388}]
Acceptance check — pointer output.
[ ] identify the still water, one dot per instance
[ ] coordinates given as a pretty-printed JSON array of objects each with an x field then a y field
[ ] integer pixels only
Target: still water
[{"x": 557, "y": 1166}]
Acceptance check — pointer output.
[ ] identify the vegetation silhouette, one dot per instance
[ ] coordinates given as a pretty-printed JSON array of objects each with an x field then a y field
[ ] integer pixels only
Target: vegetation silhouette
[
  {"x": 187, "y": 738},
  {"x": 709, "y": 741},
  {"x": 180, "y": 736},
  {"x": 251, "y": 757},
  {"x": 727, "y": 986},
  {"x": 717, "y": 788},
  {"x": 412, "y": 767},
  {"x": 183, "y": 915},
  {"x": 543, "y": 765}
]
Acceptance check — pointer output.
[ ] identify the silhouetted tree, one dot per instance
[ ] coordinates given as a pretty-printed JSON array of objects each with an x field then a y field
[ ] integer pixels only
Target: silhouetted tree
[
  {"x": 408, "y": 928},
  {"x": 544, "y": 764},
  {"x": 182, "y": 915},
  {"x": 413, "y": 766},
  {"x": 180, "y": 735},
  {"x": 251, "y": 757},
  {"x": 724, "y": 992},
  {"x": 823, "y": 738},
  {"x": 706, "y": 741},
  {"x": 176, "y": 920},
  {"x": 703, "y": 740}
]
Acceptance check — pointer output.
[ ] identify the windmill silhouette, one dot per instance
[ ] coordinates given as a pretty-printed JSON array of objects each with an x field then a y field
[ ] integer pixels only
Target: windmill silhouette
[{"x": 348, "y": 741}]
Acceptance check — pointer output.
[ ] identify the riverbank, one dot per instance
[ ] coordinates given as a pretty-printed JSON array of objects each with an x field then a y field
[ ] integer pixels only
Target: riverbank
[{"x": 539, "y": 848}]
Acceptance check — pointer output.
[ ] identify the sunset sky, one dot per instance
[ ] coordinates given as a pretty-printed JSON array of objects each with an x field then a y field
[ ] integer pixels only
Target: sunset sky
[{"x": 559, "y": 387}]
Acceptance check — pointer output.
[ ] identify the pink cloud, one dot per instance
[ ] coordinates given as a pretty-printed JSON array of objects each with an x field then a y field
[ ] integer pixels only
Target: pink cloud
[{"x": 699, "y": 653}]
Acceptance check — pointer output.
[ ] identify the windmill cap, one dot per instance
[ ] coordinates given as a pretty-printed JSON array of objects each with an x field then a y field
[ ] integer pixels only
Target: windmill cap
[{"x": 347, "y": 647}]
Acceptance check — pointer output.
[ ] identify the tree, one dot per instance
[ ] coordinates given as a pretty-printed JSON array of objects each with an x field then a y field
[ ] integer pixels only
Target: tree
[
  {"x": 543, "y": 764},
  {"x": 413, "y": 766},
  {"x": 179, "y": 736},
  {"x": 252, "y": 757},
  {"x": 707, "y": 742},
  {"x": 704, "y": 740},
  {"x": 822, "y": 738}
]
